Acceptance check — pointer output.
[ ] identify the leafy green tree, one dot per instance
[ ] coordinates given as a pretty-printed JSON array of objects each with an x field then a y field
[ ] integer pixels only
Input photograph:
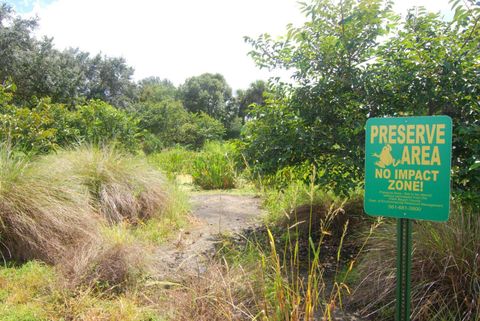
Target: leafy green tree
[
  {"x": 429, "y": 67},
  {"x": 69, "y": 76},
  {"x": 208, "y": 93},
  {"x": 163, "y": 121},
  {"x": 199, "y": 129},
  {"x": 155, "y": 89},
  {"x": 353, "y": 60},
  {"x": 254, "y": 94},
  {"x": 109, "y": 79},
  {"x": 327, "y": 57}
]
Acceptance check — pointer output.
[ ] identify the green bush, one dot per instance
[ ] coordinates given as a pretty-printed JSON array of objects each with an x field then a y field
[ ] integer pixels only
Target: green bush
[
  {"x": 47, "y": 127},
  {"x": 445, "y": 270},
  {"x": 214, "y": 167},
  {"x": 163, "y": 122},
  {"x": 167, "y": 124},
  {"x": 38, "y": 130},
  {"x": 99, "y": 123},
  {"x": 199, "y": 129},
  {"x": 174, "y": 161}
]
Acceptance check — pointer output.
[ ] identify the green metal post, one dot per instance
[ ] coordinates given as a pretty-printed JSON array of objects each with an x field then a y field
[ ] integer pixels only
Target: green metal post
[{"x": 404, "y": 269}]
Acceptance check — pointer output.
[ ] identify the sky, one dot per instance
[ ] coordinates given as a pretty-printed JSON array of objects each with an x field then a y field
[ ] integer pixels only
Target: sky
[{"x": 175, "y": 39}]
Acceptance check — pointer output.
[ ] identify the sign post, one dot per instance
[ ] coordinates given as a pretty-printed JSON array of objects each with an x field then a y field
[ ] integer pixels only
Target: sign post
[{"x": 407, "y": 176}]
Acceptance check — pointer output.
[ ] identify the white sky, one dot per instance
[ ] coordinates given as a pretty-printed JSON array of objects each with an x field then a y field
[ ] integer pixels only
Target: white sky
[{"x": 177, "y": 39}]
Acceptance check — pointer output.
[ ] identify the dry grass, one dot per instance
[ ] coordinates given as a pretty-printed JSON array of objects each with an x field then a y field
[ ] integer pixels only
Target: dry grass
[
  {"x": 445, "y": 270},
  {"x": 220, "y": 293},
  {"x": 40, "y": 218},
  {"x": 107, "y": 265},
  {"x": 122, "y": 187}
]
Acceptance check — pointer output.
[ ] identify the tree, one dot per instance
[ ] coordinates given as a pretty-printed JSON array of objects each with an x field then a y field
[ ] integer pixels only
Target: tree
[
  {"x": 208, "y": 93},
  {"x": 69, "y": 76},
  {"x": 327, "y": 57},
  {"x": 109, "y": 79},
  {"x": 254, "y": 94},
  {"x": 155, "y": 89},
  {"x": 430, "y": 67},
  {"x": 353, "y": 60}
]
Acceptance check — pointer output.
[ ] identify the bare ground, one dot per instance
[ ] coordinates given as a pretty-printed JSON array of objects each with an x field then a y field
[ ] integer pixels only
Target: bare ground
[{"x": 212, "y": 214}]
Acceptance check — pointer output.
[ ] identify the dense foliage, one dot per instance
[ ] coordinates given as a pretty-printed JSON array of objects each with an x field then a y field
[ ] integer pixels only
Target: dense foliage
[
  {"x": 353, "y": 60},
  {"x": 46, "y": 126}
]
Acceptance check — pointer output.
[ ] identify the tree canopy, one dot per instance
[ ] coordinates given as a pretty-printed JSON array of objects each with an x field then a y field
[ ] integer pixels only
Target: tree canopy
[{"x": 356, "y": 59}]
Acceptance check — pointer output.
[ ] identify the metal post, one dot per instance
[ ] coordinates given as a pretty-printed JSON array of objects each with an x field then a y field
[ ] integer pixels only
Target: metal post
[{"x": 404, "y": 269}]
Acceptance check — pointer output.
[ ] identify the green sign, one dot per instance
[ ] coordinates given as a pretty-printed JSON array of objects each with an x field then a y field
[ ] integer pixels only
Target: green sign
[{"x": 407, "y": 167}]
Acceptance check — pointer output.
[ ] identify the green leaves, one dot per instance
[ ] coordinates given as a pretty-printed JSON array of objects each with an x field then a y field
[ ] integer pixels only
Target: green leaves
[
  {"x": 48, "y": 126},
  {"x": 355, "y": 59}
]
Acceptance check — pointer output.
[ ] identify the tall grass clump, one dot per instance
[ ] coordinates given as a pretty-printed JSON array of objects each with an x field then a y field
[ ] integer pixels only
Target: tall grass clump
[
  {"x": 445, "y": 270},
  {"x": 40, "y": 217},
  {"x": 215, "y": 167},
  {"x": 304, "y": 206},
  {"x": 122, "y": 187}
]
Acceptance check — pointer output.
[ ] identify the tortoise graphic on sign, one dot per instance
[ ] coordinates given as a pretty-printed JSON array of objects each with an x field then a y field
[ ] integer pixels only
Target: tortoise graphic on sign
[{"x": 385, "y": 157}]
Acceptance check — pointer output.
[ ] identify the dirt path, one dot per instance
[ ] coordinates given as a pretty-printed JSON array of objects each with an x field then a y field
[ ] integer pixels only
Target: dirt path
[{"x": 212, "y": 214}]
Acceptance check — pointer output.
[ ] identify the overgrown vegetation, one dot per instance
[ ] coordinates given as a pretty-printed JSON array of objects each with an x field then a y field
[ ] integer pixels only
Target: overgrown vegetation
[
  {"x": 215, "y": 167},
  {"x": 82, "y": 209},
  {"x": 95, "y": 214}
]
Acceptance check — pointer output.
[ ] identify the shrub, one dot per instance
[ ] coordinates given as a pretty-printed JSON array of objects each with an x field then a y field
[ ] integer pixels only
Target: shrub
[
  {"x": 121, "y": 186},
  {"x": 199, "y": 129},
  {"x": 41, "y": 129},
  {"x": 99, "y": 123},
  {"x": 445, "y": 270},
  {"x": 168, "y": 123},
  {"x": 47, "y": 127},
  {"x": 173, "y": 161},
  {"x": 163, "y": 121},
  {"x": 214, "y": 167},
  {"x": 41, "y": 216}
]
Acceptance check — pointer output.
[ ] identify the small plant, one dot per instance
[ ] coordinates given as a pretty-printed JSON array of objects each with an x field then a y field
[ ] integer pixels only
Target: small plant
[{"x": 214, "y": 167}]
